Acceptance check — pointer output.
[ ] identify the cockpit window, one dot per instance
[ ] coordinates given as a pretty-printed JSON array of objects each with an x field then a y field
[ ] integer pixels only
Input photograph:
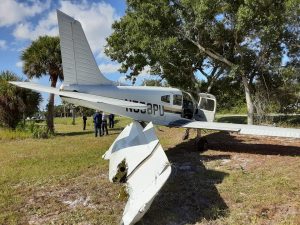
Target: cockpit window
[
  {"x": 177, "y": 100},
  {"x": 165, "y": 98},
  {"x": 207, "y": 104}
]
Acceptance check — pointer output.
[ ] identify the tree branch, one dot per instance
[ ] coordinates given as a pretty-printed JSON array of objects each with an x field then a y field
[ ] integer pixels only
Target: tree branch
[{"x": 211, "y": 53}]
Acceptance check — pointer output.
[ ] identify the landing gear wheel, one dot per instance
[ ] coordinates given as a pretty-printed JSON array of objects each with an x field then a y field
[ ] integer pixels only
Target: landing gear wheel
[{"x": 202, "y": 145}]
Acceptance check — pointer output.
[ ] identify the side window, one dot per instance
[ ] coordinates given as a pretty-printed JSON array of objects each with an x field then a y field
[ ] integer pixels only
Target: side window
[
  {"x": 207, "y": 104},
  {"x": 177, "y": 100},
  {"x": 165, "y": 98}
]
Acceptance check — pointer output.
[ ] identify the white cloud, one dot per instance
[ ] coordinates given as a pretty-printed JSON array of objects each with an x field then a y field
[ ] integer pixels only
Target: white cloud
[
  {"x": 109, "y": 68},
  {"x": 96, "y": 20},
  {"x": 19, "y": 64},
  {"x": 3, "y": 44},
  {"x": 13, "y": 12}
]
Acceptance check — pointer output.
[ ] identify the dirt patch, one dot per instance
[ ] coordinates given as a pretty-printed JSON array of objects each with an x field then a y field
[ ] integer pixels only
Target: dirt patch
[{"x": 87, "y": 194}]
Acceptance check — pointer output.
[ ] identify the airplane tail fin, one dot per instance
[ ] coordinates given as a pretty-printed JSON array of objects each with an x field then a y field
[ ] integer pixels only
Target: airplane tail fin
[{"x": 79, "y": 64}]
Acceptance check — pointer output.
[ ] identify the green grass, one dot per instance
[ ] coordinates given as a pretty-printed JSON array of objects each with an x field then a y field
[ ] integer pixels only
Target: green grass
[
  {"x": 27, "y": 165},
  {"x": 7, "y": 134},
  {"x": 64, "y": 180}
]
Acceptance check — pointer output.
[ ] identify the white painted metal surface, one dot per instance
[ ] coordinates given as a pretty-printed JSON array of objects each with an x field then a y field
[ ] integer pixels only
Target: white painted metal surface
[
  {"x": 79, "y": 64},
  {"x": 207, "y": 115},
  {"x": 82, "y": 96},
  {"x": 246, "y": 129},
  {"x": 147, "y": 168}
]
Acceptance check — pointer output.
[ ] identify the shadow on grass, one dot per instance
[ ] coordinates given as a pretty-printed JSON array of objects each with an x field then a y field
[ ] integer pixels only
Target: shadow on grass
[
  {"x": 78, "y": 133},
  {"x": 291, "y": 120},
  {"x": 190, "y": 194},
  {"x": 223, "y": 141},
  {"x": 74, "y": 133},
  {"x": 233, "y": 119}
]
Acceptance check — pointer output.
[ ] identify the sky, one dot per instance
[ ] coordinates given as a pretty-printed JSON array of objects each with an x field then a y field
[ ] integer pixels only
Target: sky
[{"x": 22, "y": 21}]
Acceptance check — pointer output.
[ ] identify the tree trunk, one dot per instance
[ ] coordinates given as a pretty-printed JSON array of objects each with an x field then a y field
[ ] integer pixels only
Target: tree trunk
[
  {"x": 73, "y": 115},
  {"x": 64, "y": 110},
  {"x": 50, "y": 123},
  {"x": 210, "y": 86},
  {"x": 250, "y": 107}
]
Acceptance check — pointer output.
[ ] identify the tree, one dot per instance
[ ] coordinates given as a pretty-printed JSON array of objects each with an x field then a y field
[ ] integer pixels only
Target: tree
[
  {"x": 176, "y": 38},
  {"x": 43, "y": 57},
  {"x": 15, "y": 103},
  {"x": 152, "y": 82}
]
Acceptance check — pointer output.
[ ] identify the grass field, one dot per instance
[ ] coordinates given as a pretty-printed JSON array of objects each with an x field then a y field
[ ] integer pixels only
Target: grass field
[{"x": 64, "y": 180}]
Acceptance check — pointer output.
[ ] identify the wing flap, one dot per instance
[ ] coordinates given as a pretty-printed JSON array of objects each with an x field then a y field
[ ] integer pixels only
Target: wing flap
[
  {"x": 81, "y": 96},
  {"x": 246, "y": 129}
]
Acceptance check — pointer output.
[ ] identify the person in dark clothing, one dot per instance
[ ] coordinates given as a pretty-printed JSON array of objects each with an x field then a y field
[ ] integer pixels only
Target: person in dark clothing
[
  {"x": 111, "y": 118},
  {"x": 84, "y": 118},
  {"x": 104, "y": 124},
  {"x": 97, "y": 123}
]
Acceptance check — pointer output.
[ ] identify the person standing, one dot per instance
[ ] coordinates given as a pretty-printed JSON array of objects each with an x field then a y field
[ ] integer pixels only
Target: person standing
[
  {"x": 104, "y": 124},
  {"x": 111, "y": 120},
  {"x": 84, "y": 118},
  {"x": 97, "y": 123}
]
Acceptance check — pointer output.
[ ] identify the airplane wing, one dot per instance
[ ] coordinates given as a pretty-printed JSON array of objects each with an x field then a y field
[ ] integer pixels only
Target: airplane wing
[
  {"x": 241, "y": 128},
  {"x": 81, "y": 96},
  {"x": 137, "y": 158}
]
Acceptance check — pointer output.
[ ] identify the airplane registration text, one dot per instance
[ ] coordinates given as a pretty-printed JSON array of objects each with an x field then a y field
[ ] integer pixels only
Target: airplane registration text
[{"x": 154, "y": 109}]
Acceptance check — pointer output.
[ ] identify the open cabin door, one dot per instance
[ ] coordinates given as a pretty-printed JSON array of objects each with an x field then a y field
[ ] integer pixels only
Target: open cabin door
[
  {"x": 189, "y": 106},
  {"x": 206, "y": 107}
]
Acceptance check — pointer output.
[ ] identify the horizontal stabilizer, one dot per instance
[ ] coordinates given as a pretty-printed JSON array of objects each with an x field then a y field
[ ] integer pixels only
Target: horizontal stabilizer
[
  {"x": 81, "y": 96},
  {"x": 246, "y": 129},
  {"x": 137, "y": 158}
]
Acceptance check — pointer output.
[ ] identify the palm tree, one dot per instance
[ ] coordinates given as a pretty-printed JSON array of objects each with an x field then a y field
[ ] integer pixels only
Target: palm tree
[
  {"x": 15, "y": 103},
  {"x": 43, "y": 57}
]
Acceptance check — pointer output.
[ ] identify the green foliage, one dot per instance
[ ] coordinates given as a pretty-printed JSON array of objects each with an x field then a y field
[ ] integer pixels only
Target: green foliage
[
  {"x": 145, "y": 36},
  {"x": 177, "y": 38},
  {"x": 15, "y": 103},
  {"x": 230, "y": 95},
  {"x": 155, "y": 83},
  {"x": 38, "y": 130},
  {"x": 64, "y": 110},
  {"x": 43, "y": 57},
  {"x": 23, "y": 131},
  {"x": 9, "y": 134}
]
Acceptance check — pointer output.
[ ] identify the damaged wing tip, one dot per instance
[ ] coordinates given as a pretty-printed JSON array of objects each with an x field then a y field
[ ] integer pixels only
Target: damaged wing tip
[{"x": 142, "y": 164}]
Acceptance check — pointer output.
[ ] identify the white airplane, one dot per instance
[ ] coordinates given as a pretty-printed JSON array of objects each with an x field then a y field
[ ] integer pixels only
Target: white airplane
[{"x": 136, "y": 156}]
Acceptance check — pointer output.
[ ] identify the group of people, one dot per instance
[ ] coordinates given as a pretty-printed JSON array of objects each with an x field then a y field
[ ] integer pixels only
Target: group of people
[{"x": 100, "y": 122}]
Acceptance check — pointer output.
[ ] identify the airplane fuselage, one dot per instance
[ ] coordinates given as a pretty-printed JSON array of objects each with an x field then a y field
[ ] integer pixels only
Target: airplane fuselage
[{"x": 164, "y": 104}]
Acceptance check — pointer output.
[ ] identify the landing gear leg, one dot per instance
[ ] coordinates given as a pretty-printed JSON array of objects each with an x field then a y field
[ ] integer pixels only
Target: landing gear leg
[
  {"x": 186, "y": 134},
  {"x": 201, "y": 142}
]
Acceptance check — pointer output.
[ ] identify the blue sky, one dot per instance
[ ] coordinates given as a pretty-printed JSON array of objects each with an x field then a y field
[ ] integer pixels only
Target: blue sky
[{"x": 23, "y": 21}]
